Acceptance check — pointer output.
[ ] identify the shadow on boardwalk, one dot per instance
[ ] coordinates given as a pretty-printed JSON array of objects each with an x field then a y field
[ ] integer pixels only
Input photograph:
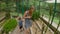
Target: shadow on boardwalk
[{"x": 17, "y": 31}]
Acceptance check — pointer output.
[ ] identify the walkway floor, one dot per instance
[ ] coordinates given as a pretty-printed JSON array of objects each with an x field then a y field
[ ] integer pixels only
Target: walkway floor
[
  {"x": 17, "y": 31},
  {"x": 34, "y": 29}
]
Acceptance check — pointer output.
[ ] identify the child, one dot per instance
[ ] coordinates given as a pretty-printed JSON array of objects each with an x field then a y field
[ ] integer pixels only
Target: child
[{"x": 20, "y": 24}]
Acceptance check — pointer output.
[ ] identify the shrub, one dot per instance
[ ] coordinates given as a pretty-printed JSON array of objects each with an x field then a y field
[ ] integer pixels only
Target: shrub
[
  {"x": 9, "y": 25},
  {"x": 35, "y": 15}
]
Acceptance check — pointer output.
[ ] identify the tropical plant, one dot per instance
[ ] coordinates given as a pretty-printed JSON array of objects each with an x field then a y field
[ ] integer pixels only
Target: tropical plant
[{"x": 35, "y": 15}]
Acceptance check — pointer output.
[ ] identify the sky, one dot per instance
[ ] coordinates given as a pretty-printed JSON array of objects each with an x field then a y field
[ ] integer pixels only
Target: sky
[{"x": 53, "y": 1}]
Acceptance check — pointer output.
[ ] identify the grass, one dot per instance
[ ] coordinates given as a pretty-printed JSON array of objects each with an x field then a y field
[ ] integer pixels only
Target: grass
[
  {"x": 55, "y": 20},
  {"x": 9, "y": 25}
]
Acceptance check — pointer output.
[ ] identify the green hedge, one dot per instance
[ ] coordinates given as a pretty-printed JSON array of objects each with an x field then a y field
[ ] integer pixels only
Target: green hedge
[{"x": 9, "y": 25}]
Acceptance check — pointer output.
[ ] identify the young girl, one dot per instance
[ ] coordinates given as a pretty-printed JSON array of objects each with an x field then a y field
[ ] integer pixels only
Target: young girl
[{"x": 27, "y": 18}]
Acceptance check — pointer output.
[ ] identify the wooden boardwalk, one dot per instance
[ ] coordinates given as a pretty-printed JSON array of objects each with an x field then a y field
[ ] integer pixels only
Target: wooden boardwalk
[{"x": 35, "y": 29}]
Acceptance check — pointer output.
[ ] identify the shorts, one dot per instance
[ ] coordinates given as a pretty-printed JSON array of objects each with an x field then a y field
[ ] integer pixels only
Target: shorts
[{"x": 28, "y": 23}]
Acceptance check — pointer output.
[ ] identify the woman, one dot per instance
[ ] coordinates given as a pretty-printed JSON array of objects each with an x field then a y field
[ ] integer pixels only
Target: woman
[{"x": 27, "y": 16}]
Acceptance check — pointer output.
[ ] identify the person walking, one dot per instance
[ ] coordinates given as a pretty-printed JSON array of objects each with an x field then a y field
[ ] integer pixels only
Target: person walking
[{"x": 27, "y": 20}]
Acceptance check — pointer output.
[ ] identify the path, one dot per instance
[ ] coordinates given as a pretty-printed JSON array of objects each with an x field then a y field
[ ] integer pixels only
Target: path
[
  {"x": 34, "y": 29},
  {"x": 17, "y": 31}
]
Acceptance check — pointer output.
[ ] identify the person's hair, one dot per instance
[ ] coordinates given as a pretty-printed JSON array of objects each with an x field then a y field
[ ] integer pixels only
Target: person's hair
[
  {"x": 31, "y": 7},
  {"x": 19, "y": 18}
]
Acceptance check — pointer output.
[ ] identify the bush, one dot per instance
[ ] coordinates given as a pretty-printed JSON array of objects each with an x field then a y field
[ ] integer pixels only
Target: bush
[
  {"x": 10, "y": 25},
  {"x": 35, "y": 15}
]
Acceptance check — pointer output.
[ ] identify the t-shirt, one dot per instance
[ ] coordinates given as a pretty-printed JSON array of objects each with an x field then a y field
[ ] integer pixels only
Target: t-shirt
[{"x": 27, "y": 13}]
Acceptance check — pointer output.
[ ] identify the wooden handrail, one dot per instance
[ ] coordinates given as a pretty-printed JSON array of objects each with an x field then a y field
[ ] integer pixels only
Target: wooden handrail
[
  {"x": 2, "y": 19},
  {"x": 50, "y": 26}
]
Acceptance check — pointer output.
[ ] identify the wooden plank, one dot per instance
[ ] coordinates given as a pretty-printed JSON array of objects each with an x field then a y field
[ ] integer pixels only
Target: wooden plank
[{"x": 2, "y": 18}]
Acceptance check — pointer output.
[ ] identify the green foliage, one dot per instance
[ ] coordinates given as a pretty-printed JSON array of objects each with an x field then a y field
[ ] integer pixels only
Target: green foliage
[
  {"x": 35, "y": 15},
  {"x": 9, "y": 25},
  {"x": 14, "y": 14},
  {"x": 7, "y": 15}
]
